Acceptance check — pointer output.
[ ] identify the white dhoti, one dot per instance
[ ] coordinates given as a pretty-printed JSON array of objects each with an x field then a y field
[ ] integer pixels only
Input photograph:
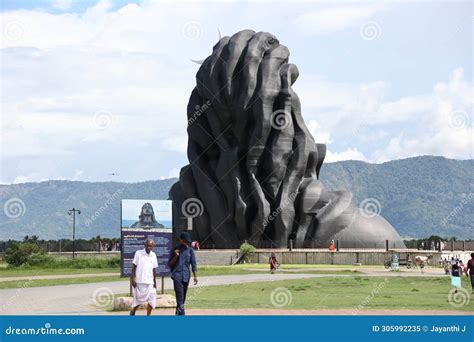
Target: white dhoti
[{"x": 144, "y": 293}]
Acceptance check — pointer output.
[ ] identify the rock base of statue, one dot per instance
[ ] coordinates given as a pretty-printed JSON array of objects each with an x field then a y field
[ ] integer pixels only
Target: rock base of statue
[{"x": 162, "y": 301}]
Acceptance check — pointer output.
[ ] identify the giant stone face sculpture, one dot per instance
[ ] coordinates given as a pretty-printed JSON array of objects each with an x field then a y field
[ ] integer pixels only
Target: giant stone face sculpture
[{"x": 253, "y": 165}]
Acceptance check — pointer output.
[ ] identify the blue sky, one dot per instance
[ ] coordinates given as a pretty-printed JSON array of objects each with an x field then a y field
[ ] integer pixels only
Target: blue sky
[{"x": 92, "y": 88}]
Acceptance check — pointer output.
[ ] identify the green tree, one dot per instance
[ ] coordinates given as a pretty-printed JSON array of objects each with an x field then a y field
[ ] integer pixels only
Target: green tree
[
  {"x": 19, "y": 253},
  {"x": 247, "y": 250}
]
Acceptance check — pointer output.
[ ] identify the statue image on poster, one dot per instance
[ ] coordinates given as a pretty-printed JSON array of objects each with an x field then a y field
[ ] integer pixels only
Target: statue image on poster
[
  {"x": 147, "y": 218},
  {"x": 146, "y": 214}
]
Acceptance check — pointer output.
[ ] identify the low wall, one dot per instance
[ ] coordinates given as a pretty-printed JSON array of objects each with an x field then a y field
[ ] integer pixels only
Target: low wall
[
  {"x": 349, "y": 257},
  {"x": 215, "y": 257},
  {"x": 337, "y": 258}
]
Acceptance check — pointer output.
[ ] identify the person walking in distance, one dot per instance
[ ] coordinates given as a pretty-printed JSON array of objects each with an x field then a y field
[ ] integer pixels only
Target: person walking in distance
[
  {"x": 273, "y": 263},
  {"x": 470, "y": 270}
]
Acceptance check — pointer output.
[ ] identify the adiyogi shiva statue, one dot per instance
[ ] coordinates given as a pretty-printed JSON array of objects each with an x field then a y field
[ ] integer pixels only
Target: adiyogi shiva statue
[{"x": 253, "y": 172}]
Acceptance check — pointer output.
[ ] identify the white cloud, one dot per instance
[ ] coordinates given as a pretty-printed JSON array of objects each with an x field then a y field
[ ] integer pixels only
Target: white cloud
[
  {"x": 62, "y": 4},
  {"x": 443, "y": 122},
  {"x": 20, "y": 179},
  {"x": 318, "y": 133},
  {"x": 338, "y": 105},
  {"x": 60, "y": 69},
  {"x": 173, "y": 173},
  {"x": 338, "y": 18},
  {"x": 177, "y": 142},
  {"x": 349, "y": 154},
  {"x": 438, "y": 123},
  {"x": 78, "y": 174},
  {"x": 404, "y": 109}
]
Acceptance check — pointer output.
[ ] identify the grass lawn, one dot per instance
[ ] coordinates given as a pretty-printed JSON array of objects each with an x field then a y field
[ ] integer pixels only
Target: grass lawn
[
  {"x": 54, "y": 265},
  {"x": 357, "y": 292},
  {"x": 203, "y": 271}
]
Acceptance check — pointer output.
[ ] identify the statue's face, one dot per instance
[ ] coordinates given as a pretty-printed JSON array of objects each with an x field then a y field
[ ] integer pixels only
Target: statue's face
[{"x": 147, "y": 209}]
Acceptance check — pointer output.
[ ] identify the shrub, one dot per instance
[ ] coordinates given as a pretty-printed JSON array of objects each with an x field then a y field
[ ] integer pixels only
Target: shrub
[
  {"x": 85, "y": 262},
  {"x": 92, "y": 262},
  {"x": 40, "y": 259},
  {"x": 18, "y": 254},
  {"x": 30, "y": 255},
  {"x": 247, "y": 250}
]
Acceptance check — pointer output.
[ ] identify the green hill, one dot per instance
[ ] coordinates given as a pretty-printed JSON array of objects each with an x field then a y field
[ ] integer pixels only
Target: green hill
[{"x": 419, "y": 196}]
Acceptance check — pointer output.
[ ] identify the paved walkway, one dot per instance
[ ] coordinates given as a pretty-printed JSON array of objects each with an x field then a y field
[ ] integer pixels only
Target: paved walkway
[
  {"x": 59, "y": 276},
  {"x": 365, "y": 271},
  {"x": 370, "y": 271}
]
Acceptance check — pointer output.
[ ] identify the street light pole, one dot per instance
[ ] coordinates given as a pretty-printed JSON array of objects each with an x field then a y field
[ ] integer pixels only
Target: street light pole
[{"x": 73, "y": 213}]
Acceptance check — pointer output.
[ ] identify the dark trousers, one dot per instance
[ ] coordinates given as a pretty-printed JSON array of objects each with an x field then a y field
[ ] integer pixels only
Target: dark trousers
[
  {"x": 472, "y": 281},
  {"x": 180, "y": 289}
]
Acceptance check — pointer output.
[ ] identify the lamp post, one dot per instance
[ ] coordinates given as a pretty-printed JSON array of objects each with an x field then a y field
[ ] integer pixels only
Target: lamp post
[{"x": 73, "y": 213}]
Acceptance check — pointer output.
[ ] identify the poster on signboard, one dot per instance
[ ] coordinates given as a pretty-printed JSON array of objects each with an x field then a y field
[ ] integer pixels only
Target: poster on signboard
[{"x": 141, "y": 220}]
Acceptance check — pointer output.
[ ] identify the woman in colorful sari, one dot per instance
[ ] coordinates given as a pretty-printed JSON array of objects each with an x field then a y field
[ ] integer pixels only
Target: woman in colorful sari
[{"x": 273, "y": 263}]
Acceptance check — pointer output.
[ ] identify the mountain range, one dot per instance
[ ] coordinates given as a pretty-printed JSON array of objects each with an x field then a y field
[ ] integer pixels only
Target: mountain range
[{"x": 419, "y": 196}]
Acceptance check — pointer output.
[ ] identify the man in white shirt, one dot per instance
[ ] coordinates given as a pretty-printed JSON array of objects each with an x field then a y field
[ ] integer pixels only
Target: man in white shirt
[{"x": 144, "y": 278}]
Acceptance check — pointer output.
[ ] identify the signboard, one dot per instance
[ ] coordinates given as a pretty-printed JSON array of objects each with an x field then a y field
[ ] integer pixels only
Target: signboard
[{"x": 142, "y": 220}]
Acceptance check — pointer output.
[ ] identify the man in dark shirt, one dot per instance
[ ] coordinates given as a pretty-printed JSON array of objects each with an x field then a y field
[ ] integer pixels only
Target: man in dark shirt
[
  {"x": 470, "y": 270},
  {"x": 180, "y": 258}
]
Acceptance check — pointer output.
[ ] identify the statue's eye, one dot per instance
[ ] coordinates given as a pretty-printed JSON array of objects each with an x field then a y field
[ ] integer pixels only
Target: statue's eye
[{"x": 271, "y": 41}]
